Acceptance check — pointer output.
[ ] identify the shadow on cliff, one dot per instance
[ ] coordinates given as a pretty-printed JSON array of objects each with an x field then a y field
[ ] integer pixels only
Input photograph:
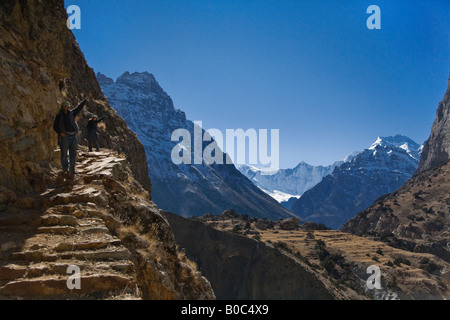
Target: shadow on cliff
[{"x": 240, "y": 268}]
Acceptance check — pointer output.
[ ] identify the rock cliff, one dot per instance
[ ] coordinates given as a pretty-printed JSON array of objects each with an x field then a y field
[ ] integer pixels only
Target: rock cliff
[
  {"x": 103, "y": 221},
  {"x": 42, "y": 66},
  {"x": 437, "y": 148},
  {"x": 245, "y": 269},
  {"x": 339, "y": 260}
]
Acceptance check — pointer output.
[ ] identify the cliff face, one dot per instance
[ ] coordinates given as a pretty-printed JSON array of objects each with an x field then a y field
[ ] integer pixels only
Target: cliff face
[
  {"x": 244, "y": 269},
  {"x": 103, "y": 220},
  {"x": 339, "y": 260},
  {"x": 42, "y": 66},
  {"x": 437, "y": 148}
]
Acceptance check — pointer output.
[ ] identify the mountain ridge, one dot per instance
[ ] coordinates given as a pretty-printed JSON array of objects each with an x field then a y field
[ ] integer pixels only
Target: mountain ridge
[
  {"x": 416, "y": 217},
  {"x": 437, "y": 148},
  {"x": 287, "y": 183},
  {"x": 188, "y": 190},
  {"x": 354, "y": 185}
]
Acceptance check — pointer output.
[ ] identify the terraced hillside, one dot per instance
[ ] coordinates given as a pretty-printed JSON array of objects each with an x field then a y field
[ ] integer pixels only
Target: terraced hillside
[{"x": 341, "y": 259}]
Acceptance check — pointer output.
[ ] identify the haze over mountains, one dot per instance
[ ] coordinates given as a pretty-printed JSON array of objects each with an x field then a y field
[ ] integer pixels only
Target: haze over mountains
[
  {"x": 288, "y": 183},
  {"x": 188, "y": 190}
]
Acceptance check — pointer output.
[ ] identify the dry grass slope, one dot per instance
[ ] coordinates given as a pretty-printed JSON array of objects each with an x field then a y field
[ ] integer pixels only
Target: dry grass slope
[{"x": 341, "y": 260}]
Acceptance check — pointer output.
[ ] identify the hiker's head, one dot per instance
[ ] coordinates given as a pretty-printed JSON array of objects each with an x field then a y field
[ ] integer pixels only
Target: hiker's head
[
  {"x": 94, "y": 117},
  {"x": 65, "y": 106}
]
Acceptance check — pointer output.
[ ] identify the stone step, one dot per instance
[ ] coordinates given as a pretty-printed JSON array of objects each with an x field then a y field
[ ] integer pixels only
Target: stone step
[
  {"x": 110, "y": 253},
  {"x": 61, "y": 267},
  {"x": 95, "y": 230},
  {"x": 51, "y": 286},
  {"x": 75, "y": 210},
  {"x": 33, "y": 256},
  {"x": 12, "y": 272},
  {"x": 87, "y": 222},
  {"x": 86, "y": 245},
  {"x": 52, "y": 242},
  {"x": 82, "y": 195},
  {"x": 59, "y": 220},
  {"x": 58, "y": 230},
  {"x": 68, "y": 226}
]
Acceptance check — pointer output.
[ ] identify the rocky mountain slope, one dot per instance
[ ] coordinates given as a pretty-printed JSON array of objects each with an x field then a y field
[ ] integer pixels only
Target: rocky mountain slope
[
  {"x": 101, "y": 221},
  {"x": 417, "y": 216},
  {"x": 104, "y": 221},
  {"x": 188, "y": 190},
  {"x": 245, "y": 269},
  {"x": 437, "y": 147},
  {"x": 353, "y": 186},
  {"x": 42, "y": 66},
  {"x": 288, "y": 183},
  {"x": 337, "y": 261}
]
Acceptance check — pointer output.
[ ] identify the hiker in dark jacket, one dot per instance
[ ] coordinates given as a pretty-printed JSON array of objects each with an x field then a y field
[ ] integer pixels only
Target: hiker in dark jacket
[
  {"x": 67, "y": 129},
  {"x": 92, "y": 132}
]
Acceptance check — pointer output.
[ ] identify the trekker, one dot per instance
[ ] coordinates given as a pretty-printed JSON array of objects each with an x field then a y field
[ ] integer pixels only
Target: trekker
[
  {"x": 67, "y": 129},
  {"x": 92, "y": 132}
]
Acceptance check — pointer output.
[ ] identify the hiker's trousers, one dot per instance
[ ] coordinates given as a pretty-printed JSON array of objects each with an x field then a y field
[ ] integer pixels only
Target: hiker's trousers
[
  {"x": 93, "y": 140},
  {"x": 68, "y": 143}
]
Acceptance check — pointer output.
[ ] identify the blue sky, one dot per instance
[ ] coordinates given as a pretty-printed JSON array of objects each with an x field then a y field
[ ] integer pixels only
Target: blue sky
[{"x": 311, "y": 69}]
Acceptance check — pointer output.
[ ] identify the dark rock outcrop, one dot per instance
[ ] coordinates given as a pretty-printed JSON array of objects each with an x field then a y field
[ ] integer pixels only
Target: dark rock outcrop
[
  {"x": 437, "y": 148},
  {"x": 290, "y": 224},
  {"x": 242, "y": 268}
]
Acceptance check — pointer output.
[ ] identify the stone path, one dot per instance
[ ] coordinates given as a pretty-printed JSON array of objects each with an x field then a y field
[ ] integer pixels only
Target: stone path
[{"x": 39, "y": 245}]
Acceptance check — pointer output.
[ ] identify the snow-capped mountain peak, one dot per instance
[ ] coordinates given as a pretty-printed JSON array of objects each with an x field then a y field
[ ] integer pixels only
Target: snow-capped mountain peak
[
  {"x": 361, "y": 179},
  {"x": 351, "y": 156},
  {"x": 188, "y": 190},
  {"x": 287, "y": 183},
  {"x": 412, "y": 148}
]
